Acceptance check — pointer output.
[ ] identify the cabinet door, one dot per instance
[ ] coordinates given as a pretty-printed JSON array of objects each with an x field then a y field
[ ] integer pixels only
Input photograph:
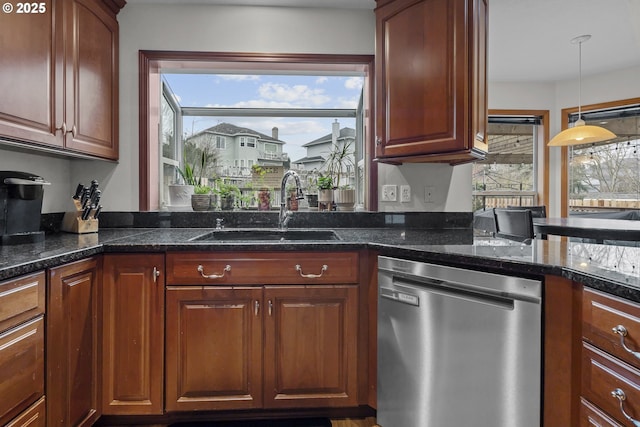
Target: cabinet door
[
  {"x": 30, "y": 104},
  {"x": 431, "y": 83},
  {"x": 133, "y": 334},
  {"x": 214, "y": 348},
  {"x": 21, "y": 368},
  {"x": 91, "y": 79},
  {"x": 311, "y": 346},
  {"x": 73, "y": 345}
]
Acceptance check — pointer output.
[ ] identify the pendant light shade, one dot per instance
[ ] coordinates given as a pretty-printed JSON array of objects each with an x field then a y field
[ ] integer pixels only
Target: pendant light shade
[{"x": 581, "y": 133}]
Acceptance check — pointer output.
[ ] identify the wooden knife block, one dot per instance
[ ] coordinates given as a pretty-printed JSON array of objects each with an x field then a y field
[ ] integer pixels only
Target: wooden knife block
[{"x": 73, "y": 222}]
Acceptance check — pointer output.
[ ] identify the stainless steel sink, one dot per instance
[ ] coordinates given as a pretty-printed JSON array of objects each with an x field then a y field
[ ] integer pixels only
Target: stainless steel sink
[{"x": 266, "y": 235}]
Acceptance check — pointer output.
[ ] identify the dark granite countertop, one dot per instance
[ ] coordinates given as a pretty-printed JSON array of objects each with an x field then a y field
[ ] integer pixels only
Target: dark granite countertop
[{"x": 614, "y": 269}]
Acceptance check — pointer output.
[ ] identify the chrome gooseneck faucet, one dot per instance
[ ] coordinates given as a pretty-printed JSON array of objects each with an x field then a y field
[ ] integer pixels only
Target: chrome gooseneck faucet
[{"x": 285, "y": 216}]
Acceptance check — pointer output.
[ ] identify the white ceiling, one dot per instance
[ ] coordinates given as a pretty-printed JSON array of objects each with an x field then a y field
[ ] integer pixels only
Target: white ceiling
[{"x": 529, "y": 40}]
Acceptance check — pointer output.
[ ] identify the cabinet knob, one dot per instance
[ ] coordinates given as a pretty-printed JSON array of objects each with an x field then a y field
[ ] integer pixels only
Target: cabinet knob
[
  {"x": 156, "y": 274},
  {"x": 621, "y": 396},
  {"x": 73, "y": 131},
  {"x": 256, "y": 307},
  {"x": 63, "y": 128},
  {"x": 622, "y": 331},
  {"x": 378, "y": 140}
]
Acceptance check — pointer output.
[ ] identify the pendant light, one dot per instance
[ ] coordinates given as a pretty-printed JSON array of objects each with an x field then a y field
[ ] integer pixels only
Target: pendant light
[{"x": 580, "y": 133}]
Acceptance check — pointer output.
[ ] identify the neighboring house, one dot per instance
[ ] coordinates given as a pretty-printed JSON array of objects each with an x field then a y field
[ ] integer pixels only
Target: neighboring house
[
  {"x": 319, "y": 149},
  {"x": 238, "y": 149}
]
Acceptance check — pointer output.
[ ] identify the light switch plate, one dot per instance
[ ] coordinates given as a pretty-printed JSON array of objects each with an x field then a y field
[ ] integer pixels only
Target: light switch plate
[{"x": 389, "y": 193}]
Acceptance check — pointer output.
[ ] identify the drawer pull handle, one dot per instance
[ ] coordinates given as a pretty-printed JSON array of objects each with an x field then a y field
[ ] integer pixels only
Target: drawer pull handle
[
  {"x": 324, "y": 268},
  {"x": 256, "y": 307},
  {"x": 622, "y": 331},
  {"x": 213, "y": 276},
  {"x": 619, "y": 394}
]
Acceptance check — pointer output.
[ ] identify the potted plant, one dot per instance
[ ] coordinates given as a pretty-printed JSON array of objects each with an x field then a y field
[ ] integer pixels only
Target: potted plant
[
  {"x": 263, "y": 194},
  {"x": 325, "y": 192},
  {"x": 180, "y": 194},
  {"x": 227, "y": 194},
  {"x": 311, "y": 189},
  {"x": 201, "y": 198},
  {"x": 341, "y": 162}
]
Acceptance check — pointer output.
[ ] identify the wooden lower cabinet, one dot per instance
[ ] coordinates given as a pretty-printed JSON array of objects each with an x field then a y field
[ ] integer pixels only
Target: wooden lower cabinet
[
  {"x": 261, "y": 347},
  {"x": 73, "y": 340},
  {"x": 21, "y": 368},
  {"x": 214, "y": 348},
  {"x": 133, "y": 334},
  {"x": 310, "y": 353},
  {"x": 34, "y": 416}
]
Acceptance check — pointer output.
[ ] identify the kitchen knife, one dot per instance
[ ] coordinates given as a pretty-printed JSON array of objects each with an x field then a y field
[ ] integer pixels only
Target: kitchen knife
[
  {"x": 79, "y": 191},
  {"x": 93, "y": 188},
  {"x": 86, "y": 213},
  {"x": 86, "y": 200},
  {"x": 97, "y": 212},
  {"x": 95, "y": 198}
]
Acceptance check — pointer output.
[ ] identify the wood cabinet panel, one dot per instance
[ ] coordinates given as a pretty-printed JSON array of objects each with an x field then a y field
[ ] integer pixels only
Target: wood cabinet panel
[
  {"x": 602, "y": 314},
  {"x": 431, "y": 100},
  {"x": 21, "y": 368},
  {"x": 133, "y": 334},
  {"x": 91, "y": 80},
  {"x": 261, "y": 268},
  {"x": 21, "y": 299},
  {"x": 311, "y": 346},
  {"x": 592, "y": 416},
  {"x": 30, "y": 106},
  {"x": 34, "y": 416},
  {"x": 59, "y": 78},
  {"x": 214, "y": 342},
  {"x": 602, "y": 374},
  {"x": 73, "y": 340}
]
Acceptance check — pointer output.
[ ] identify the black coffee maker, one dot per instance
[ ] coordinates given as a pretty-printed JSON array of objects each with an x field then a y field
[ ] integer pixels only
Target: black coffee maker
[{"x": 20, "y": 207}]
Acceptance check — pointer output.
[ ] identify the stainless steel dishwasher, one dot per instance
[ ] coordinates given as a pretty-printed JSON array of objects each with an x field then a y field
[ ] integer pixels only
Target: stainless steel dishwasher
[{"x": 457, "y": 347}]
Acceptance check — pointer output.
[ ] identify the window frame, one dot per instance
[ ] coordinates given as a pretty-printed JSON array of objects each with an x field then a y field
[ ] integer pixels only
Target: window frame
[
  {"x": 151, "y": 62},
  {"x": 564, "y": 154}
]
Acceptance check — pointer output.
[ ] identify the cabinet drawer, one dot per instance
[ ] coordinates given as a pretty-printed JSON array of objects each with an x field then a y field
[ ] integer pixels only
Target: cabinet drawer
[
  {"x": 601, "y": 315},
  {"x": 21, "y": 299},
  {"x": 32, "y": 417},
  {"x": 591, "y": 416},
  {"x": 603, "y": 374},
  {"x": 21, "y": 368},
  {"x": 243, "y": 268}
]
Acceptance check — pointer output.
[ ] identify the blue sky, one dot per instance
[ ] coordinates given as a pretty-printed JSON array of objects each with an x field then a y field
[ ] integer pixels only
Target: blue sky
[{"x": 268, "y": 91}]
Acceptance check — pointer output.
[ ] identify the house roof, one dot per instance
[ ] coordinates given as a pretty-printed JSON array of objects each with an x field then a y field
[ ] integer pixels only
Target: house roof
[
  {"x": 233, "y": 130},
  {"x": 312, "y": 159},
  {"x": 344, "y": 133}
]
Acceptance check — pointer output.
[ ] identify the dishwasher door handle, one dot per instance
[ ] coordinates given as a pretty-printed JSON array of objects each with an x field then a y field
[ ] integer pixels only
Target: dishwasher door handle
[{"x": 399, "y": 296}]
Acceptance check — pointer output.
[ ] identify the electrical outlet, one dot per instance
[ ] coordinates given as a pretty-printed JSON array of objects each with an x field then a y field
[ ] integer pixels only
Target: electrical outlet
[
  {"x": 405, "y": 193},
  {"x": 389, "y": 193},
  {"x": 429, "y": 194}
]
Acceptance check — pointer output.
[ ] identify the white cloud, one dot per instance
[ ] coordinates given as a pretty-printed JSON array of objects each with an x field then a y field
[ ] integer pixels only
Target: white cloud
[
  {"x": 298, "y": 95},
  {"x": 353, "y": 83},
  {"x": 239, "y": 77},
  {"x": 321, "y": 80}
]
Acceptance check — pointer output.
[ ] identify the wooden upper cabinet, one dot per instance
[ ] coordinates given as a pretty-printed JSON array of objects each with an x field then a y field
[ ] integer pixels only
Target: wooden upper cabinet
[
  {"x": 31, "y": 101},
  {"x": 91, "y": 80},
  {"x": 73, "y": 344},
  {"x": 431, "y": 103},
  {"x": 59, "y": 77}
]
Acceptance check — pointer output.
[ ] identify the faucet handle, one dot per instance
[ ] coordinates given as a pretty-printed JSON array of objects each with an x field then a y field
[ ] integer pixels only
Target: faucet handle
[{"x": 219, "y": 222}]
